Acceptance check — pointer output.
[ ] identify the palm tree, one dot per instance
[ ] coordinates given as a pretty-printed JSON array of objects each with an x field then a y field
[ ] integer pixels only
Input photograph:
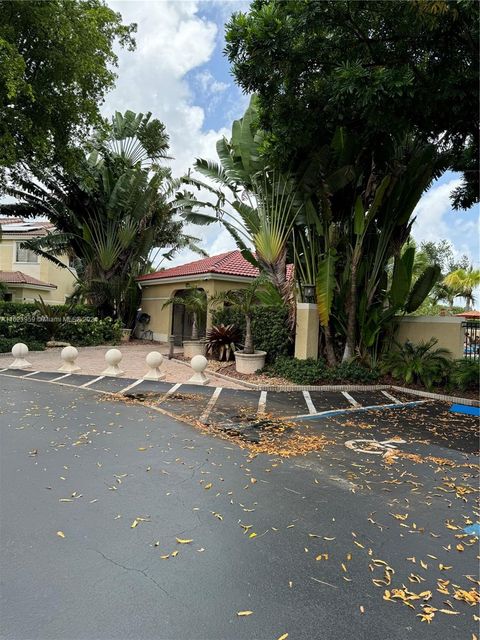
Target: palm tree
[
  {"x": 195, "y": 302},
  {"x": 464, "y": 281},
  {"x": 256, "y": 204},
  {"x": 108, "y": 216},
  {"x": 244, "y": 301}
]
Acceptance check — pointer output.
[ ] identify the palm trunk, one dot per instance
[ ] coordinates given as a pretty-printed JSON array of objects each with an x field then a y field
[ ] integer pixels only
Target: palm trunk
[
  {"x": 351, "y": 316},
  {"x": 194, "y": 326},
  {"x": 329, "y": 350},
  {"x": 248, "y": 347}
]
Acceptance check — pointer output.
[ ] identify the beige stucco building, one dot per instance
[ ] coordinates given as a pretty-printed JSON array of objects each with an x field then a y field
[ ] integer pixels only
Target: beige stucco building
[
  {"x": 216, "y": 274},
  {"x": 26, "y": 275}
]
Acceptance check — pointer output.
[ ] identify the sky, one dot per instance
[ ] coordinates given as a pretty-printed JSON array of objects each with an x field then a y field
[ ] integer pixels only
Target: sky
[{"x": 179, "y": 73}]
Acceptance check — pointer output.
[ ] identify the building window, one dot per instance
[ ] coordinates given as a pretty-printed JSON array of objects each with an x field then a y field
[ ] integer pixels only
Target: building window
[
  {"x": 7, "y": 297},
  {"x": 25, "y": 255}
]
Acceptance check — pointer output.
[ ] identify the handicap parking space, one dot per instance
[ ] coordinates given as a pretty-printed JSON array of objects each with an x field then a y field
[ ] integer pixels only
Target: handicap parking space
[
  {"x": 234, "y": 405},
  {"x": 187, "y": 400},
  {"x": 328, "y": 400},
  {"x": 286, "y": 403}
]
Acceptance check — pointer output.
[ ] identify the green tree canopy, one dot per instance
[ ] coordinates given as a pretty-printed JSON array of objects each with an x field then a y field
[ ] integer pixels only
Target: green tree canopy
[
  {"x": 56, "y": 62},
  {"x": 380, "y": 69}
]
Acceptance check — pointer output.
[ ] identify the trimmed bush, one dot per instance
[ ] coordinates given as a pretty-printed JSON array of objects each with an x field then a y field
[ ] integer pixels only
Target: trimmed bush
[
  {"x": 19, "y": 325},
  {"x": 269, "y": 328},
  {"x": 6, "y": 344},
  {"x": 312, "y": 371}
]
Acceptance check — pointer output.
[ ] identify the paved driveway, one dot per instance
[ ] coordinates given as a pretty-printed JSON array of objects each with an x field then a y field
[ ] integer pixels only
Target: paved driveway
[{"x": 95, "y": 494}]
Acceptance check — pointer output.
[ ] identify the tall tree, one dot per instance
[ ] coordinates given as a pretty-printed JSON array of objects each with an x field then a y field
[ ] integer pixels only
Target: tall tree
[
  {"x": 56, "y": 64},
  {"x": 110, "y": 214},
  {"x": 378, "y": 68}
]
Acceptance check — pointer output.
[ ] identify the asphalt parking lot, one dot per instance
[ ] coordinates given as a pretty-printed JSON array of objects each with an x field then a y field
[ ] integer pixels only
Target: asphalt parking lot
[{"x": 120, "y": 522}]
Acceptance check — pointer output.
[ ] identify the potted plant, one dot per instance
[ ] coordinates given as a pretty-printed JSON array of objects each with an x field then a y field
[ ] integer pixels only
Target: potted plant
[
  {"x": 222, "y": 341},
  {"x": 248, "y": 360},
  {"x": 54, "y": 318},
  {"x": 195, "y": 302}
]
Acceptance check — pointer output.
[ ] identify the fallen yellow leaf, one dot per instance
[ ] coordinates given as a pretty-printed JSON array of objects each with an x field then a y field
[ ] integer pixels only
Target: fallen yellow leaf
[
  {"x": 284, "y": 637},
  {"x": 244, "y": 613},
  {"x": 61, "y": 534},
  {"x": 208, "y": 486},
  {"x": 183, "y": 541}
]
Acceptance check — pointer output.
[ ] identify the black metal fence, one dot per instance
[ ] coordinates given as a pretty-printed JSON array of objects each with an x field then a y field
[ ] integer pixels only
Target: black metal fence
[{"x": 472, "y": 339}]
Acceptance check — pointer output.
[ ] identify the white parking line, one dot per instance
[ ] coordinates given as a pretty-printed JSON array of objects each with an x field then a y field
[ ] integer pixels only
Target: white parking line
[
  {"x": 390, "y": 397},
  {"x": 169, "y": 392},
  {"x": 211, "y": 404},
  {"x": 87, "y": 384},
  {"x": 29, "y": 374},
  {"x": 308, "y": 400},
  {"x": 65, "y": 375},
  {"x": 6, "y": 369},
  {"x": 130, "y": 386},
  {"x": 262, "y": 401},
  {"x": 351, "y": 400}
]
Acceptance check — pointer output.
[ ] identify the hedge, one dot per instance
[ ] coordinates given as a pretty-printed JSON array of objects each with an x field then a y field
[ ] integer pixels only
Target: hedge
[
  {"x": 27, "y": 308},
  {"x": 311, "y": 371},
  {"x": 86, "y": 331},
  {"x": 269, "y": 328}
]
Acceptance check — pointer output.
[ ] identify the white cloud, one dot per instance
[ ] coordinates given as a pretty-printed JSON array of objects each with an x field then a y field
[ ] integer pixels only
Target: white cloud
[
  {"x": 208, "y": 83},
  {"x": 430, "y": 224}
]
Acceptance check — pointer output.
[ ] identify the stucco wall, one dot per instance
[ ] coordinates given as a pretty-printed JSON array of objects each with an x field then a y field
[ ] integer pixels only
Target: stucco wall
[
  {"x": 44, "y": 270},
  {"x": 448, "y": 331},
  {"x": 154, "y": 297}
]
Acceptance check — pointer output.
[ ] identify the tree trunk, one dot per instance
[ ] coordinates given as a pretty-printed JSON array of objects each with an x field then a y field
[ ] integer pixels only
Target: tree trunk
[
  {"x": 349, "y": 350},
  {"x": 248, "y": 346},
  {"x": 194, "y": 326},
  {"x": 329, "y": 350}
]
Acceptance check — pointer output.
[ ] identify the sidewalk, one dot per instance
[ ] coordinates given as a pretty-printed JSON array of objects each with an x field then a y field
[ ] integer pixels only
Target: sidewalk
[{"x": 92, "y": 361}]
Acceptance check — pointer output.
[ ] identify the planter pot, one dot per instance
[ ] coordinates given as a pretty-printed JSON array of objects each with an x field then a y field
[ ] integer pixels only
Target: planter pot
[
  {"x": 126, "y": 333},
  {"x": 193, "y": 348},
  {"x": 248, "y": 363}
]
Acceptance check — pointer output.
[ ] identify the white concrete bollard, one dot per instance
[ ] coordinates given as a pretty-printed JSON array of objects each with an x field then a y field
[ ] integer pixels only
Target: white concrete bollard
[
  {"x": 154, "y": 361},
  {"x": 20, "y": 352},
  {"x": 199, "y": 364},
  {"x": 112, "y": 358},
  {"x": 69, "y": 355}
]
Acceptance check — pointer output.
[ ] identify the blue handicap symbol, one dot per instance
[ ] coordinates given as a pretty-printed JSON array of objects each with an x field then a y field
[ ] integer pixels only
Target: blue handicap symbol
[{"x": 473, "y": 530}]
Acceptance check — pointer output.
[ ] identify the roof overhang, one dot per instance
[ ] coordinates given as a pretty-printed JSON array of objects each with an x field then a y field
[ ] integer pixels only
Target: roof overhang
[
  {"x": 28, "y": 285},
  {"x": 195, "y": 277}
]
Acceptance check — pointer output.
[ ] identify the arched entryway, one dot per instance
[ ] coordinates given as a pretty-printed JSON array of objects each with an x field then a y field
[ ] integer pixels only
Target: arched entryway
[{"x": 182, "y": 321}]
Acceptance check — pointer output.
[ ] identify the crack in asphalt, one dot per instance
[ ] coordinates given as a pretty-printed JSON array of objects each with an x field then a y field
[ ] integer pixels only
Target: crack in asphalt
[{"x": 143, "y": 572}]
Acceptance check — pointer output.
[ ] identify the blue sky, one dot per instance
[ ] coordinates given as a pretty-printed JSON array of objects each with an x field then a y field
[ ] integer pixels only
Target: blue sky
[{"x": 179, "y": 73}]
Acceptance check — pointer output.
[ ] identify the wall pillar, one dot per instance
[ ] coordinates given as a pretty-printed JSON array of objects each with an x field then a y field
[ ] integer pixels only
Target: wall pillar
[{"x": 307, "y": 330}]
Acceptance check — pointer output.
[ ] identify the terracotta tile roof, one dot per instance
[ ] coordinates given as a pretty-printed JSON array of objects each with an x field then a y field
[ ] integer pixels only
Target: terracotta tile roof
[
  {"x": 18, "y": 277},
  {"x": 231, "y": 263}
]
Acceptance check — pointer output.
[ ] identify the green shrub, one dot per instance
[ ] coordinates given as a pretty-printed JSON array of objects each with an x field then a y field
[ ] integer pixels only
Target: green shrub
[
  {"x": 91, "y": 333},
  {"x": 6, "y": 344},
  {"x": 28, "y": 308},
  {"x": 269, "y": 328},
  {"x": 465, "y": 375},
  {"x": 312, "y": 371},
  {"x": 418, "y": 363}
]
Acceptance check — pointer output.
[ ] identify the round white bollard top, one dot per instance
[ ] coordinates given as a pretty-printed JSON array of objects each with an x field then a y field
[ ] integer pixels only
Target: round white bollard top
[
  {"x": 69, "y": 354},
  {"x": 19, "y": 350},
  {"x": 154, "y": 359},
  {"x": 113, "y": 357},
  {"x": 198, "y": 363}
]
